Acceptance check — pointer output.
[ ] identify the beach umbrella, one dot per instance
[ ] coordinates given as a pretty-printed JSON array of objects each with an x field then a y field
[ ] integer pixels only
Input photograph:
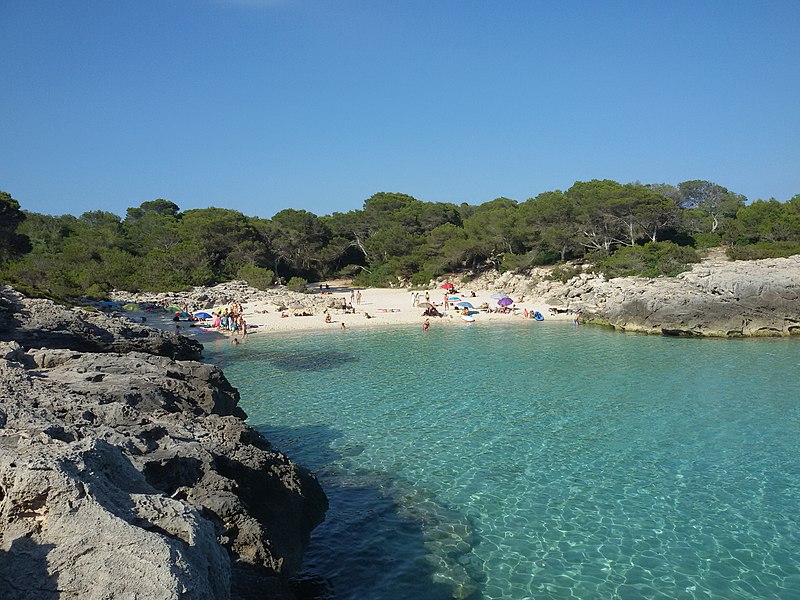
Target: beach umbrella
[
  {"x": 447, "y": 286},
  {"x": 296, "y": 305},
  {"x": 464, "y": 305},
  {"x": 498, "y": 296},
  {"x": 425, "y": 304},
  {"x": 202, "y": 315},
  {"x": 505, "y": 301},
  {"x": 174, "y": 309},
  {"x": 281, "y": 308}
]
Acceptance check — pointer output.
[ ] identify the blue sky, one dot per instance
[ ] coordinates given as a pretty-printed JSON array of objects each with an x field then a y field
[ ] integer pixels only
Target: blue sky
[{"x": 261, "y": 105}]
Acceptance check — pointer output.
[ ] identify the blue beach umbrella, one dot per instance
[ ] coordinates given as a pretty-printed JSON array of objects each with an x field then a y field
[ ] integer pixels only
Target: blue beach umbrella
[
  {"x": 202, "y": 315},
  {"x": 464, "y": 305}
]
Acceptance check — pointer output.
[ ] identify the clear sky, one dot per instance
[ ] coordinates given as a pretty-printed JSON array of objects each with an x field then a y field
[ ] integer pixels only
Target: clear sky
[{"x": 261, "y": 105}]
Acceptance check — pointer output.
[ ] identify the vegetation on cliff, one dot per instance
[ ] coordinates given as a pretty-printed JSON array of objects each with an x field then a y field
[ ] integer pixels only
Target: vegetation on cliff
[{"x": 625, "y": 229}]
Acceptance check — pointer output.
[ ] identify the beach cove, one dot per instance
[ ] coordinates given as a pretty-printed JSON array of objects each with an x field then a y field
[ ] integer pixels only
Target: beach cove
[
  {"x": 714, "y": 298},
  {"x": 537, "y": 459}
]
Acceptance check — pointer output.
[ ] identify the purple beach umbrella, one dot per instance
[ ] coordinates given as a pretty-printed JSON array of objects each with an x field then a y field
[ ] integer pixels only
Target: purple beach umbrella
[{"x": 505, "y": 301}]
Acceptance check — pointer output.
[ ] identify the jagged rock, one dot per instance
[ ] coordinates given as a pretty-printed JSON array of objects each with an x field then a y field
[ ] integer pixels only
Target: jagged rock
[
  {"x": 722, "y": 299},
  {"x": 135, "y": 476},
  {"x": 716, "y": 297},
  {"x": 37, "y": 323}
]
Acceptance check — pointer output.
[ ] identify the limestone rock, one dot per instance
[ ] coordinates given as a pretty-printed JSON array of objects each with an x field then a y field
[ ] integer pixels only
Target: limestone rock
[
  {"x": 37, "y": 323},
  {"x": 716, "y": 297},
  {"x": 726, "y": 299},
  {"x": 135, "y": 476}
]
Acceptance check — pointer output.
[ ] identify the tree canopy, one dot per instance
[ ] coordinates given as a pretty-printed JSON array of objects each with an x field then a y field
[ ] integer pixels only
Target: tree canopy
[{"x": 393, "y": 237}]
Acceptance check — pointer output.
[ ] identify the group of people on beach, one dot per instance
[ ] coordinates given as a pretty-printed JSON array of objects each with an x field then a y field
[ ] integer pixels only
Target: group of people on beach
[{"x": 231, "y": 318}]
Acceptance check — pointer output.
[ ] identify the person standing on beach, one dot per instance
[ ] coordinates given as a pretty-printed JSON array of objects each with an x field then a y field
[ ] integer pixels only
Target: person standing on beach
[
  {"x": 352, "y": 296},
  {"x": 446, "y": 302},
  {"x": 358, "y": 297},
  {"x": 426, "y": 325}
]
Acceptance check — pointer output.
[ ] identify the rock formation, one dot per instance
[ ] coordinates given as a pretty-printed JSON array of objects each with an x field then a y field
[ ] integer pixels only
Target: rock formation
[
  {"x": 205, "y": 298},
  {"x": 42, "y": 323},
  {"x": 134, "y": 475},
  {"x": 716, "y": 297}
]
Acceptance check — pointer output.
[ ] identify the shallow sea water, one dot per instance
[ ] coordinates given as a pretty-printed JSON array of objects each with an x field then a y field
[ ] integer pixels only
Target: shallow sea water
[{"x": 538, "y": 460}]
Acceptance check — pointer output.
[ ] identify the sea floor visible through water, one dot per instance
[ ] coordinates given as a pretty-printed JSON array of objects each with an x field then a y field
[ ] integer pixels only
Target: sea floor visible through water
[{"x": 537, "y": 460}]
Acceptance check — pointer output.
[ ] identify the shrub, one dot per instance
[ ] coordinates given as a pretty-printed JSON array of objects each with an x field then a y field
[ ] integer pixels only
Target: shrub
[
  {"x": 651, "y": 260},
  {"x": 764, "y": 250},
  {"x": 297, "y": 284},
  {"x": 563, "y": 273},
  {"x": 707, "y": 240},
  {"x": 255, "y": 276},
  {"x": 421, "y": 278},
  {"x": 514, "y": 262},
  {"x": 380, "y": 276},
  {"x": 97, "y": 291}
]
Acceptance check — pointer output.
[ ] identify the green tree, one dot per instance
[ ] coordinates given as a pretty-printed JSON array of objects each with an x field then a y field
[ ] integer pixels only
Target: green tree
[
  {"x": 227, "y": 239},
  {"x": 154, "y": 225},
  {"x": 715, "y": 201},
  {"x": 12, "y": 243},
  {"x": 297, "y": 239},
  {"x": 550, "y": 222}
]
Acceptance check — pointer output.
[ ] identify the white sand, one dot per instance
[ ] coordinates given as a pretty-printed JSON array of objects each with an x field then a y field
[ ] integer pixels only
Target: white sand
[{"x": 388, "y": 307}]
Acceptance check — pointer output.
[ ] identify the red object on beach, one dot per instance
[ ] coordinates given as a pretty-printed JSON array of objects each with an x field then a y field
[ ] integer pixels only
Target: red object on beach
[{"x": 447, "y": 286}]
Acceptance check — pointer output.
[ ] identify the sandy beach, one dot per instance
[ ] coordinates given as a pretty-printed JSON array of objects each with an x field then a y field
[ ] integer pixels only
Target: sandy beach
[{"x": 382, "y": 307}]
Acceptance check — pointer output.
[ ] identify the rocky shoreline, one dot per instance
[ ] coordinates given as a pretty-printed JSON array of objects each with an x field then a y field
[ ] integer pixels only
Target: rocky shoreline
[
  {"x": 127, "y": 470},
  {"x": 715, "y": 298}
]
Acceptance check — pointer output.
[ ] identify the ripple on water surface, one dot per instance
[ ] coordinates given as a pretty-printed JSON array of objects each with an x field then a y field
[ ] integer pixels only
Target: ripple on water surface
[{"x": 539, "y": 461}]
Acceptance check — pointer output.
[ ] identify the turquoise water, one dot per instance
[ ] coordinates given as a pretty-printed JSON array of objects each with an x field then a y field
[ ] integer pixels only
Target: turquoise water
[{"x": 538, "y": 460}]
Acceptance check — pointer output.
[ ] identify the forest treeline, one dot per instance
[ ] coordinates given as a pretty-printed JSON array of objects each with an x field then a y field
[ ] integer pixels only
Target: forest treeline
[{"x": 623, "y": 229}]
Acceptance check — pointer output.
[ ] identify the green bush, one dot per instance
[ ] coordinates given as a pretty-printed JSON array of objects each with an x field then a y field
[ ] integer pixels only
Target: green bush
[
  {"x": 380, "y": 276},
  {"x": 707, "y": 240},
  {"x": 545, "y": 258},
  {"x": 255, "y": 276},
  {"x": 764, "y": 250},
  {"x": 297, "y": 284},
  {"x": 651, "y": 260},
  {"x": 563, "y": 273},
  {"x": 514, "y": 262},
  {"x": 421, "y": 278}
]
